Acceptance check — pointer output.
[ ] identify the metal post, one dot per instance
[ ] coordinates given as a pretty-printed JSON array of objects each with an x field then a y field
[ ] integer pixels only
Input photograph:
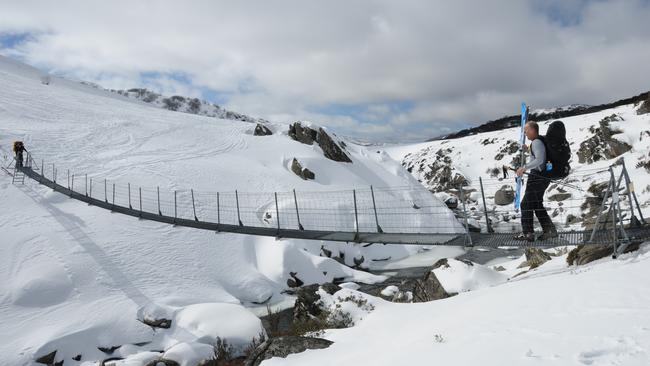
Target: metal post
[
  {"x": 613, "y": 211},
  {"x": 54, "y": 173},
  {"x": 91, "y": 188},
  {"x": 356, "y": 215},
  {"x": 129, "y": 185},
  {"x": 237, "y": 201},
  {"x": 113, "y": 194},
  {"x": 105, "y": 195},
  {"x": 72, "y": 185},
  {"x": 218, "y": 211},
  {"x": 277, "y": 211},
  {"x": 68, "y": 179},
  {"x": 610, "y": 186},
  {"x": 374, "y": 207},
  {"x": 462, "y": 198},
  {"x": 630, "y": 190},
  {"x": 86, "y": 179},
  {"x": 487, "y": 220},
  {"x": 193, "y": 207},
  {"x": 295, "y": 200},
  {"x": 42, "y": 170},
  {"x": 140, "y": 193},
  {"x": 175, "y": 207},
  {"x": 158, "y": 191}
]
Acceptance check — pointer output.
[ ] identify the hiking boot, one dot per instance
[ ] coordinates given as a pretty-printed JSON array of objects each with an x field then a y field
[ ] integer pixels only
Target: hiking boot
[
  {"x": 546, "y": 235},
  {"x": 525, "y": 236}
]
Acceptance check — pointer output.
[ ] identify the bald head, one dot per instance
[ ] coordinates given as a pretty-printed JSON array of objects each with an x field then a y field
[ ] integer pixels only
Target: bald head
[{"x": 531, "y": 129}]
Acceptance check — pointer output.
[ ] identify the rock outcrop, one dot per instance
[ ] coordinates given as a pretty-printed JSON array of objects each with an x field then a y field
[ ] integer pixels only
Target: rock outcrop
[
  {"x": 504, "y": 196},
  {"x": 303, "y": 173},
  {"x": 261, "y": 130},
  {"x": 284, "y": 346},
  {"x": 308, "y": 135},
  {"x": 602, "y": 146}
]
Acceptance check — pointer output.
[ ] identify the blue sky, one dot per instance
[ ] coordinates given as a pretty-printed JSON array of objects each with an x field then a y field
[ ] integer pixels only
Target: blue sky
[{"x": 376, "y": 70}]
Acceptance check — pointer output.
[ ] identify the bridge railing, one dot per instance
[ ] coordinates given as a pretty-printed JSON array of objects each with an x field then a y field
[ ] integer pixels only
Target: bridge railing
[{"x": 609, "y": 203}]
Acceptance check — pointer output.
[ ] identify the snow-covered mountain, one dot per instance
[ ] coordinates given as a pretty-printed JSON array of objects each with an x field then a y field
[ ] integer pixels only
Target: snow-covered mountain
[
  {"x": 597, "y": 141},
  {"x": 82, "y": 281},
  {"x": 74, "y": 278},
  {"x": 184, "y": 104}
]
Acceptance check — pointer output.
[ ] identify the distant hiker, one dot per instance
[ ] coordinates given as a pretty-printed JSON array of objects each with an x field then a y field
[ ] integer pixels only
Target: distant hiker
[
  {"x": 505, "y": 171},
  {"x": 535, "y": 187},
  {"x": 19, "y": 148}
]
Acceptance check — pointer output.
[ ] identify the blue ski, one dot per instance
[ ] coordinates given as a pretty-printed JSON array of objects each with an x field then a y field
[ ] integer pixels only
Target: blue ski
[{"x": 524, "y": 117}]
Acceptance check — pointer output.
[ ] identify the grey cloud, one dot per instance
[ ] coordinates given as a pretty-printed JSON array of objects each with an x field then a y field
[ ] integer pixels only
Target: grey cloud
[{"x": 455, "y": 62}]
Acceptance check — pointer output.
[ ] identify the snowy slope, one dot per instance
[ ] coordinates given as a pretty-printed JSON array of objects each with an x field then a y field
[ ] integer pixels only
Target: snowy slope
[
  {"x": 596, "y": 314},
  {"x": 75, "y": 277},
  {"x": 484, "y": 155}
]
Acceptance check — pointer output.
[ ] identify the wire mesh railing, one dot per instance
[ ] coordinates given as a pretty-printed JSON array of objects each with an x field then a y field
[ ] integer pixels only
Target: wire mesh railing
[{"x": 407, "y": 214}]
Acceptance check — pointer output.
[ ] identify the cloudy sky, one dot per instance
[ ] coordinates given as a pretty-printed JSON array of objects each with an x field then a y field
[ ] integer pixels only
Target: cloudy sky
[{"x": 380, "y": 70}]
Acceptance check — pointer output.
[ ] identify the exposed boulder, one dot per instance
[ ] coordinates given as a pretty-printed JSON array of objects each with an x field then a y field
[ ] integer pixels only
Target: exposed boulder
[
  {"x": 504, "y": 196},
  {"x": 294, "y": 281},
  {"x": 535, "y": 257},
  {"x": 47, "y": 359},
  {"x": 261, "y": 130},
  {"x": 303, "y": 173},
  {"x": 559, "y": 197},
  {"x": 284, "y": 346},
  {"x": 308, "y": 135},
  {"x": 602, "y": 146},
  {"x": 429, "y": 287},
  {"x": 584, "y": 254},
  {"x": 162, "y": 361},
  {"x": 307, "y": 301},
  {"x": 451, "y": 202},
  {"x": 157, "y": 323},
  {"x": 303, "y": 134}
]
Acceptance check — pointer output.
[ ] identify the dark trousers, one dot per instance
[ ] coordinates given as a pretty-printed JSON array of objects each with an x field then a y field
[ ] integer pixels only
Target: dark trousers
[
  {"x": 533, "y": 202},
  {"x": 19, "y": 159}
]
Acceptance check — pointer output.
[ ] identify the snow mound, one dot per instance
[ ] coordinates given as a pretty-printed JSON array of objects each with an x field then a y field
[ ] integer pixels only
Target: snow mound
[{"x": 459, "y": 276}]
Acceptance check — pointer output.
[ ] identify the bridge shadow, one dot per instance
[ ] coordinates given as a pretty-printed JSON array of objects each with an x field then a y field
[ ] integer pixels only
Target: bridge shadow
[{"x": 73, "y": 226}]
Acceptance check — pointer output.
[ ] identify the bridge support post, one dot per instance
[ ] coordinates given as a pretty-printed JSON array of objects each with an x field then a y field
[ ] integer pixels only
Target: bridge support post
[
  {"x": 42, "y": 170},
  {"x": 295, "y": 200},
  {"x": 468, "y": 241},
  {"x": 356, "y": 216},
  {"x": 158, "y": 193},
  {"x": 105, "y": 190},
  {"x": 86, "y": 180},
  {"x": 487, "y": 219},
  {"x": 175, "y": 207},
  {"x": 90, "y": 194},
  {"x": 71, "y": 188},
  {"x": 610, "y": 188},
  {"x": 631, "y": 194},
  {"x": 277, "y": 212},
  {"x": 237, "y": 202},
  {"x": 140, "y": 194},
  {"x": 193, "y": 206},
  {"x": 218, "y": 212},
  {"x": 53, "y": 173},
  {"x": 68, "y": 179},
  {"x": 374, "y": 207},
  {"x": 129, "y": 185},
  {"x": 113, "y": 195}
]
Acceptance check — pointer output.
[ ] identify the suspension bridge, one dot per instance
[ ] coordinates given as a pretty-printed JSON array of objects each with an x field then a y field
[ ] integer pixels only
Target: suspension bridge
[{"x": 385, "y": 215}]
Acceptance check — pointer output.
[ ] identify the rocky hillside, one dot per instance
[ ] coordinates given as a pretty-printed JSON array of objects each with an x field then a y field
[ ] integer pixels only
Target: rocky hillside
[
  {"x": 183, "y": 104},
  {"x": 597, "y": 140},
  {"x": 546, "y": 114}
]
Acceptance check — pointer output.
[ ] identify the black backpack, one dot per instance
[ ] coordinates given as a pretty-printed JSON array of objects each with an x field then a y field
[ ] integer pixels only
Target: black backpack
[{"x": 558, "y": 151}]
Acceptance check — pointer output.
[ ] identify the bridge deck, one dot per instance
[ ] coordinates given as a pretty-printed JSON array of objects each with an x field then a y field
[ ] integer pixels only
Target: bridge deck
[{"x": 456, "y": 239}]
